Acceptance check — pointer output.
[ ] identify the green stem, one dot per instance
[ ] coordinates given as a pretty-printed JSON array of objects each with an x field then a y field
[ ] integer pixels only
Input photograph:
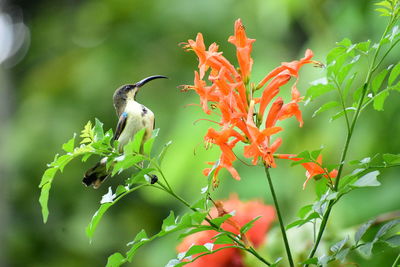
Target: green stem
[
  {"x": 372, "y": 68},
  {"x": 396, "y": 261},
  {"x": 281, "y": 223},
  {"x": 231, "y": 236}
]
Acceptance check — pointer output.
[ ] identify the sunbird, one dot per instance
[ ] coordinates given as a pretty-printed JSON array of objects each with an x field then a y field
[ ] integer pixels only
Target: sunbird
[{"x": 133, "y": 117}]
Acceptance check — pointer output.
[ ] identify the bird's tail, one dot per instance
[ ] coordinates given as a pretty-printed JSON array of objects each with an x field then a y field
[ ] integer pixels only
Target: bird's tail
[{"x": 96, "y": 175}]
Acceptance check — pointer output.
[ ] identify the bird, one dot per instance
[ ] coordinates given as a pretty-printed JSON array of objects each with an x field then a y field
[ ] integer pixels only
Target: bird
[{"x": 132, "y": 117}]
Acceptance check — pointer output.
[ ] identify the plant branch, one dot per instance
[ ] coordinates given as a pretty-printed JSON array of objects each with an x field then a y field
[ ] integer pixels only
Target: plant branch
[
  {"x": 331, "y": 203},
  {"x": 281, "y": 223},
  {"x": 233, "y": 237}
]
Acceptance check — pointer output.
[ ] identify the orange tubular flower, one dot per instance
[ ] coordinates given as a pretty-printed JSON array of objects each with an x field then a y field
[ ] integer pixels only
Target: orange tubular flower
[
  {"x": 312, "y": 169},
  {"x": 244, "y": 212},
  {"x": 231, "y": 93}
]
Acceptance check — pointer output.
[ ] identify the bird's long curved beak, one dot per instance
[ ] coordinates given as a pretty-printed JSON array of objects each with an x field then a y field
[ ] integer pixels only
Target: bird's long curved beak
[{"x": 148, "y": 79}]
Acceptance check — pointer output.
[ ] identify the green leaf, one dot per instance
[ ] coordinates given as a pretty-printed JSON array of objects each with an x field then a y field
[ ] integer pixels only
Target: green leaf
[
  {"x": 384, "y": 12},
  {"x": 368, "y": 180},
  {"x": 341, "y": 113},
  {"x": 98, "y": 130},
  {"x": 248, "y": 225},
  {"x": 325, "y": 107},
  {"x": 43, "y": 200},
  {"x": 126, "y": 161},
  {"x": 302, "y": 213},
  {"x": 393, "y": 241},
  {"x": 391, "y": 159},
  {"x": 115, "y": 260},
  {"x": 379, "y": 100},
  {"x": 386, "y": 227},
  {"x": 197, "y": 229},
  {"x": 344, "y": 71},
  {"x": 140, "y": 239},
  {"x": 300, "y": 222},
  {"x": 219, "y": 220},
  {"x": 138, "y": 178},
  {"x": 87, "y": 133},
  {"x": 339, "y": 245},
  {"x": 318, "y": 90},
  {"x": 69, "y": 146},
  {"x": 163, "y": 151},
  {"x": 91, "y": 228},
  {"x": 364, "y": 46},
  {"x": 394, "y": 74},
  {"x": 366, "y": 248},
  {"x": 361, "y": 231},
  {"x": 134, "y": 145},
  {"x": 222, "y": 239},
  {"x": 196, "y": 249},
  {"x": 169, "y": 222},
  {"x": 311, "y": 261},
  {"x": 48, "y": 176},
  {"x": 378, "y": 80}
]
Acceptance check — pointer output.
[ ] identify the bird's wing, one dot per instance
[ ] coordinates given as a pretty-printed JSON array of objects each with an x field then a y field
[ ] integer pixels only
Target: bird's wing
[{"x": 121, "y": 125}]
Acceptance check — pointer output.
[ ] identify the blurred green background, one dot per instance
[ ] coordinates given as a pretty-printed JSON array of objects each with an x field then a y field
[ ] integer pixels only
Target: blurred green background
[{"x": 60, "y": 64}]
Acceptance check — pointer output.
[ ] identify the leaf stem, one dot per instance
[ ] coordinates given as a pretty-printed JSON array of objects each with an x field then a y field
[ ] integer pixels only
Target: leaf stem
[{"x": 281, "y": 223}]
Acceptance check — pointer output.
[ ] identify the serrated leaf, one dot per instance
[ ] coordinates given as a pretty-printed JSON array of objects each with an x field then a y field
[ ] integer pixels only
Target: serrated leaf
[
  {"x": 325, "y": 107},
  {"x": 361, "y": 231},
  {"x": 115, "y": 260},
  {"x": 379, "y": 100},
  {"x": 368, "y": 180},
  {"x": 91, "y": 228}
]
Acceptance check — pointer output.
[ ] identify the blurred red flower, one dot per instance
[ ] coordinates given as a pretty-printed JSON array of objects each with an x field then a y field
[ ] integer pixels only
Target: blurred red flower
[
  {"x": 243, "y": 213},
  {"x": 230, "y": 91}
]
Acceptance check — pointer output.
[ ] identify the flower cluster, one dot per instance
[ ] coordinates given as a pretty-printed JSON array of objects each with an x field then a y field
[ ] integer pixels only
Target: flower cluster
[
  {"x": 244, "y": 212},
  {"x": 243, "y": 117}
]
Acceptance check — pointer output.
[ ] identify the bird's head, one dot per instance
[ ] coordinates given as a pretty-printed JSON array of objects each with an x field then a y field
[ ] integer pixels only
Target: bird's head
[{"x": 129, "y": 92}]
